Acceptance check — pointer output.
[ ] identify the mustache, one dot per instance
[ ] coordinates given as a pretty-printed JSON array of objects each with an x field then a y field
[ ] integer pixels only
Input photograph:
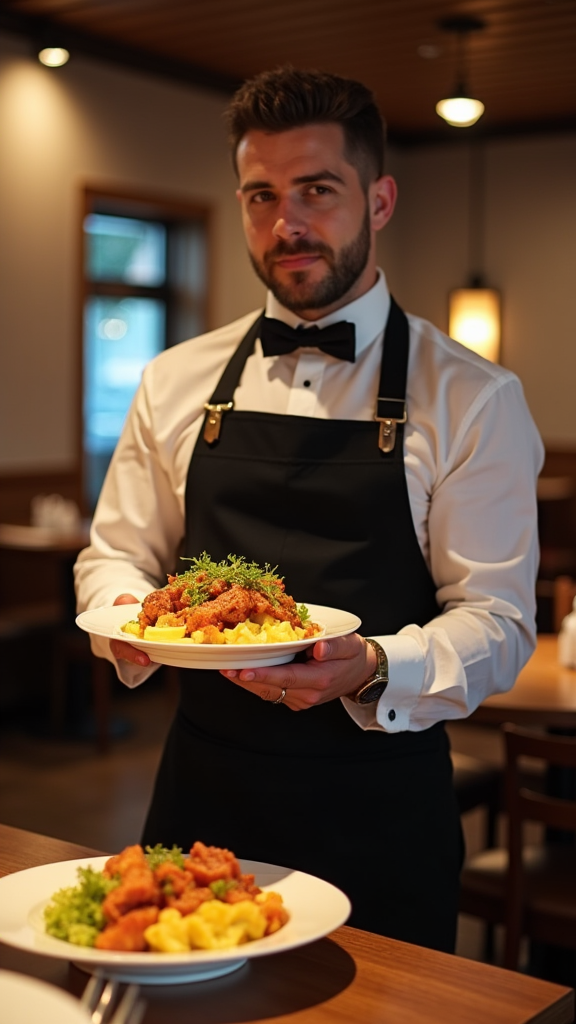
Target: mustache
[{"x": 303, "y": 247}]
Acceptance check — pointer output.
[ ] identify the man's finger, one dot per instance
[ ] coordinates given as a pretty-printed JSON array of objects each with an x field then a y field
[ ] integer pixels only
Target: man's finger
[
  {"x": 340, "y": 647},
  {"x": 125, "y": 652}
]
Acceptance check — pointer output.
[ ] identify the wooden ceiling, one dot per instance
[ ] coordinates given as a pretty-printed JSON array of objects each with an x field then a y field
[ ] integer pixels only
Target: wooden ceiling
[{"x": 522, "y": 64}]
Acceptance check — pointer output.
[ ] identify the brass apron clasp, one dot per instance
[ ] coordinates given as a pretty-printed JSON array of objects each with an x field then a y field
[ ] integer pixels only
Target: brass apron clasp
[{"x": 214, "y": 420}]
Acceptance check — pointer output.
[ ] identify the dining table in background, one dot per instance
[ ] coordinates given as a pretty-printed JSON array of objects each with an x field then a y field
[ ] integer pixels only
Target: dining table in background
[
  {"x": 544, "y": 693},
  {"x": 37, "y": 593},
  {"x": 24, "y": 545},
  {"x": 349, "y": 977}
]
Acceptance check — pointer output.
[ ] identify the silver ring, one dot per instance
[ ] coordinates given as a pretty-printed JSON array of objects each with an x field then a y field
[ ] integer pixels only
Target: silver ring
[{"x": 280, "y": 698}]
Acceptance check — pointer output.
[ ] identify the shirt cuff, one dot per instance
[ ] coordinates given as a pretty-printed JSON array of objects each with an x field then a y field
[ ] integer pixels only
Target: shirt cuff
[
  {"x": 406, "y": 679},
  {"x": 129, "y": 674}
]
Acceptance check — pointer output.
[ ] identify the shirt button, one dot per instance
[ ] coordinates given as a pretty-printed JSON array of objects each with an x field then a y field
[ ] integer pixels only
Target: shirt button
[
  {"x": 307, "y": 383},
  {"x": 392, "y": 715}
]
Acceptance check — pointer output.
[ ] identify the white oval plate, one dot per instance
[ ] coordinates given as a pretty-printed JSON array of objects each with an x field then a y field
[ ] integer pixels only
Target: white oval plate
[
  {"x": 107, "y": 622},
  {"x": 24, "y": 1000},
  {"x": 316, "y": 908}
]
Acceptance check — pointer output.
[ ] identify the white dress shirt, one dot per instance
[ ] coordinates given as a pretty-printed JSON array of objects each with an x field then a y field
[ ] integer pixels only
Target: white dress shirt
[{"x": 472, "y": 455}]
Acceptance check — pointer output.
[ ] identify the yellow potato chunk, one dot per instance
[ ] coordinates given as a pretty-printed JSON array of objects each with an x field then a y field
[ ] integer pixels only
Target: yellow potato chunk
[
  {"x": 279, "y": 632},
  {"x": 243, "y": 633},
  {"x": 164, "y": 634},
  {"x": 169, "y": 934},
  {"x": 132, "y": 627},
  {"x": 217, "y": 925}
]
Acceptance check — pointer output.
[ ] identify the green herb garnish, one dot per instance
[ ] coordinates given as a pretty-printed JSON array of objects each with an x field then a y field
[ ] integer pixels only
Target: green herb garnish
[
  {"x": 221, "y": 886},
  {"x": 234, "y": 571},
  {"x": 75, "y": 914},
  {"x": 156, "y": 855},
  {"x": 303, "y": 614}
]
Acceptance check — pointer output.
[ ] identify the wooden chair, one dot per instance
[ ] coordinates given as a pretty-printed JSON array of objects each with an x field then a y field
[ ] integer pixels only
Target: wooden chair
[
  {"x": 564, "y": 592},
  {"x": 529, "y": 889},
  {"x": 72, "y": 648},
  {"x": 478, "y": 783}
]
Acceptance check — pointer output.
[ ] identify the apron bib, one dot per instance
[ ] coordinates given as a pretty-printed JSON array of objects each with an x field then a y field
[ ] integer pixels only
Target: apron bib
[{"x": 367, "y": 810}]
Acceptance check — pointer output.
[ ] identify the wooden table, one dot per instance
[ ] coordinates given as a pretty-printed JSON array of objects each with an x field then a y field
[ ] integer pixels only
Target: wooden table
[
  {"x": 47, "y": 553},
  {"x": 351, "y": 977},
  {"x": 21, "y": 537},
  {"x": 544, "y": 693}
]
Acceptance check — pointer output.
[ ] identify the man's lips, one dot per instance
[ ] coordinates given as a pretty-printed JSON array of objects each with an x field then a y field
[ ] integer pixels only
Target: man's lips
[{"x": 298, "y": 262}]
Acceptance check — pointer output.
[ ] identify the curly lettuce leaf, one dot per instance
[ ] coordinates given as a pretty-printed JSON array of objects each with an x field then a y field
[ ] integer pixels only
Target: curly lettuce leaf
[{"x": 75, "y": 914}]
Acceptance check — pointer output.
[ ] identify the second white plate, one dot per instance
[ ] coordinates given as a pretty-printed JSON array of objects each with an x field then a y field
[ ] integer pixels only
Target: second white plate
[
  {"x": 25, "y": 1000},
  {"x": 107, "y": 622}
]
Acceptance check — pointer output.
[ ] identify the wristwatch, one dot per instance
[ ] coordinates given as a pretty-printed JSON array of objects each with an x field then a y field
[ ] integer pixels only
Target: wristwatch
[{"x": 373, "y": 687}]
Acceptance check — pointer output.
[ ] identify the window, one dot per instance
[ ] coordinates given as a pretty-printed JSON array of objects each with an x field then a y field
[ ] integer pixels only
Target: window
[{"x": 144, "y": 287}]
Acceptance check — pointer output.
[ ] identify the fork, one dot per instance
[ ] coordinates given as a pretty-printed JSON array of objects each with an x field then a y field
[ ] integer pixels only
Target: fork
[{"x": 100, "y": 995}]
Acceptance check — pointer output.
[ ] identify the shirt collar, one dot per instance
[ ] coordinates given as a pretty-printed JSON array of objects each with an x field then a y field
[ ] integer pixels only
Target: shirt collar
[{"x": 369, "y": 313}]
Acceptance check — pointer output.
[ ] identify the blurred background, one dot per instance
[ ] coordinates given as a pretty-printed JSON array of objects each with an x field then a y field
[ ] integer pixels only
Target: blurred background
[{"x": 120, "y": 235}]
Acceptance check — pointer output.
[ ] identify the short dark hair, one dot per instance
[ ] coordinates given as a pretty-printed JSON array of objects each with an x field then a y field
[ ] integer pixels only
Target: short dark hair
[{"x": 287, "y": 97}]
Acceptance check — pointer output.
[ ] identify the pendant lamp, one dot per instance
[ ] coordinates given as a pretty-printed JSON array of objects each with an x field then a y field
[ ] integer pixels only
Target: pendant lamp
[
  {"x": 53, "y": 56},
  {"x": 474, "y": 311},
  {"x": 460, "y": 109}
]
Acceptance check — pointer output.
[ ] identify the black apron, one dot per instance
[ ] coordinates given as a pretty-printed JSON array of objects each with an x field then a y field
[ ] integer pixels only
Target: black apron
[{"x": 372, "y": 812}]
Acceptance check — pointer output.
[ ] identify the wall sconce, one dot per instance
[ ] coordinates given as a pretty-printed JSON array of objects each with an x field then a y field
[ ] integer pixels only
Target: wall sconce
[
  {"x": 474, "y": 320},
  {"x": 474, "y": 311},
  {"x": 460, "y": 109}
]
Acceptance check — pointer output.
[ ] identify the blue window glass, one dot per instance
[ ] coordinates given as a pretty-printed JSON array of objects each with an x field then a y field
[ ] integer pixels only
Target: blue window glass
[
  {"x": 125, "y": 249},
  {"x": 120, "y": 337}
]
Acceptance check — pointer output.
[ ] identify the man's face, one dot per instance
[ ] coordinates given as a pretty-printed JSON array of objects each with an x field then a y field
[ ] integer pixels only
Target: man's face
[{"x": 309, "y": 224}]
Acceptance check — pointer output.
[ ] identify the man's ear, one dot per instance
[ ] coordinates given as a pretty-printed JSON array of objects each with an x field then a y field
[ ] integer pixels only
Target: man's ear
[{"x": 382, "y": 195}]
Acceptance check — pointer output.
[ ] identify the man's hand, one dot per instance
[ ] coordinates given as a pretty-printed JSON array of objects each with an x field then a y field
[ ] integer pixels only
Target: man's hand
[
  {"x": 334, "y": 669},
  {"x": 123, "y": 651}
]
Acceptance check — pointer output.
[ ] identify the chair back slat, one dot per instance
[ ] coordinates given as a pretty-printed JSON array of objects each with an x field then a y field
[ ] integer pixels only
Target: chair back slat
[
  {"x": 524, "y": 804},
  {"x": 560, "y": 750},
  {"x": 548, "y": 810}
]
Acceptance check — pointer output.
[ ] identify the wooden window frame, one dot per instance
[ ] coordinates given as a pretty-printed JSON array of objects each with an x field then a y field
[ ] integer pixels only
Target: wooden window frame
[{"x": 106, "y": 199}]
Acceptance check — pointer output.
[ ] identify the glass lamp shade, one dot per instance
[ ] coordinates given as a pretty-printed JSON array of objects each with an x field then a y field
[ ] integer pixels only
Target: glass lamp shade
[
  {"x": 474, "y": 320},
  {"x": 54, "y": 56},
  {"x": 460, "y": 111}
]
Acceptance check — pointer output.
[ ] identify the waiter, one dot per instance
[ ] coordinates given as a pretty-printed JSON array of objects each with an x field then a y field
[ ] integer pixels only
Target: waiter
[{"x": 387, "y": 471}]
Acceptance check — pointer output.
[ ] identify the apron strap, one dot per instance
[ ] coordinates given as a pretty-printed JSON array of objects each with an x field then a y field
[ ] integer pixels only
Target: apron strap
[
  {"x": 222, "y": 400},
  {"x": 391, "y": 402}
]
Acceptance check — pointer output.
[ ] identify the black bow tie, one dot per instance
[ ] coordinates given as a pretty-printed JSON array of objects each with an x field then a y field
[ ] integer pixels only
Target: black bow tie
[{"x": 336, "y": 340}]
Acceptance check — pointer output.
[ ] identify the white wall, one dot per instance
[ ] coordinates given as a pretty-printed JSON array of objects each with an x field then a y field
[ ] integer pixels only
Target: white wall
[
  {"x": 91, "y": 122},
  {"x": 529, "y": 253}
]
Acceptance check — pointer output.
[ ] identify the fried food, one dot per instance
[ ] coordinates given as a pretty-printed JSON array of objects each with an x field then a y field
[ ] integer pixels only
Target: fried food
[
  {"x": 160, "y": 900},
  {"x": 138, "y": 884},
  {"x": 127, "y": 933},
  {"x": 226, "y": 602}
]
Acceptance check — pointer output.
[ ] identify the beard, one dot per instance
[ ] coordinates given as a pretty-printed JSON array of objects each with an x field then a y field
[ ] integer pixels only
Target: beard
[{"x": 344, "y": 269}]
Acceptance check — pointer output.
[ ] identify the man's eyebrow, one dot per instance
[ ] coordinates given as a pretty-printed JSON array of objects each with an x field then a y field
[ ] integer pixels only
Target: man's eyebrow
[
  {"x": 251, "y": 186},
  {"x": 303, "y": 179},
  {"x": 324, "y": 175}
]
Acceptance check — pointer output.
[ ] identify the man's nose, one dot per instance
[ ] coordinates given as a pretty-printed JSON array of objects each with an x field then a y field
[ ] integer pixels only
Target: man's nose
[{"x": 289, "y": 224}]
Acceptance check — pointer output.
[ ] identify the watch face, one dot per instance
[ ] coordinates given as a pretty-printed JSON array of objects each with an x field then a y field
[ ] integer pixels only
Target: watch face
[{"x": 373, "y": 692}]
